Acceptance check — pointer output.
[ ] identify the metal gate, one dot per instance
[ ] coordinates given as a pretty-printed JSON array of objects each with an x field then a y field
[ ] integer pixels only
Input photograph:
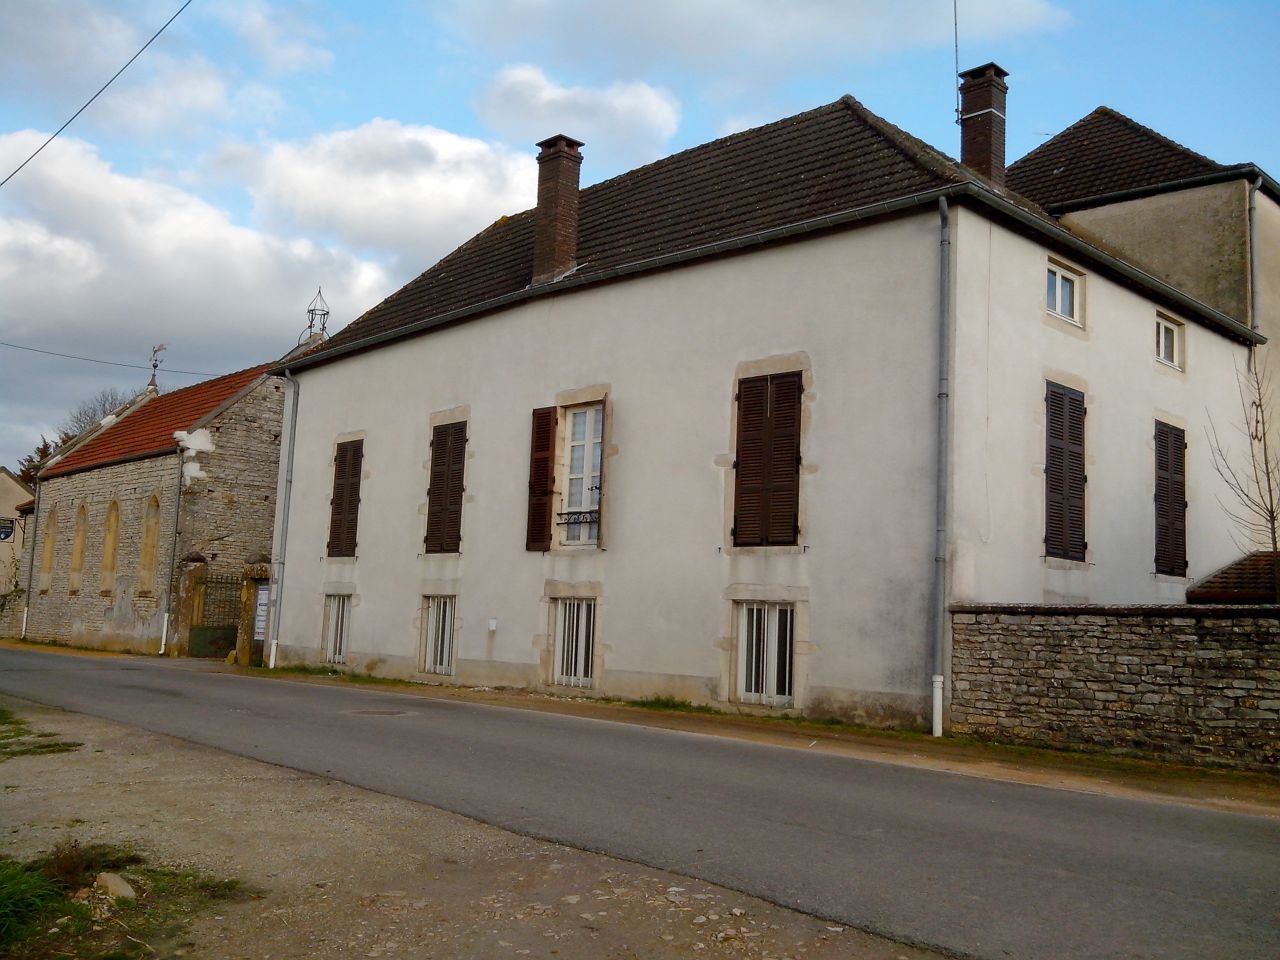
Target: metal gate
[{"x": 215, "y": 617}]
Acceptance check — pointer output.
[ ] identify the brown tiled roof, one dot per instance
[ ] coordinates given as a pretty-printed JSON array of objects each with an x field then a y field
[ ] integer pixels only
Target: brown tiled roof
[
  {"x": 149, "y": 429},
  {"x": 1104, "y": 153},
  {"x": 26, "y": 506},
  {"x": 1247, "y": 580},
  {"x": 836, "y": 158}
]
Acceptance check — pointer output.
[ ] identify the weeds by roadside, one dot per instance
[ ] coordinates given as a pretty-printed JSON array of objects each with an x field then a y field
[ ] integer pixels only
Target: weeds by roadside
[{"x": 59, "y": 905}]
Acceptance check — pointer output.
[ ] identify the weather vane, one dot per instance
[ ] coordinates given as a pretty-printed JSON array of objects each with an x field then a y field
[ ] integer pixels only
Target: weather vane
[{"x": 155, "y": 363}]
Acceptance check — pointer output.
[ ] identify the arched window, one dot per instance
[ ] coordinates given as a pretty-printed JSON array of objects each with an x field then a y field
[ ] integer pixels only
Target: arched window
[
  {"x": 47, "y": 551},
  {"x": 77, "y": 550},
  {"x": 150, "y": 541},
  {"x": 110, "y": 540}
]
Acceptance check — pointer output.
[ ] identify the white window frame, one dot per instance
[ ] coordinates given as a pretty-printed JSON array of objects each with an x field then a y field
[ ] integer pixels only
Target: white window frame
[
  {"x": 766, "y": 653},
  {"x": 337, "y": 627},
  {"x": 575, "y": 642},
  {"x": 437, "y": 654},
  {"x": 582, "y": 484},
  {"x": 1169, "y": 332},
  {"x": 1059, "y": 275}
]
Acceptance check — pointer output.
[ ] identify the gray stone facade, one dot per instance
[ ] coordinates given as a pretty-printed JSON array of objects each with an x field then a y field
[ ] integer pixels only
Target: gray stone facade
[
  {"x": 1186, "y": 683},
  {"x": 226, "y": 516},
  {"x": 123, "y": 617}
]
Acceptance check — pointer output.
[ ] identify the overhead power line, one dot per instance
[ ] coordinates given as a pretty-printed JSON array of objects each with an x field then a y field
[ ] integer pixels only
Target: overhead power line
[
  {"x": 109, "y": 363},
  {"x": 95, "y": 96}
]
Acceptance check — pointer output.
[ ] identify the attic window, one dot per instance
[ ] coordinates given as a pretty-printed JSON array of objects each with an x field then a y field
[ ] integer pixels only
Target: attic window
[
  {"x": 1169, "y": 342},
  {"x": 1062, "y": 293}
]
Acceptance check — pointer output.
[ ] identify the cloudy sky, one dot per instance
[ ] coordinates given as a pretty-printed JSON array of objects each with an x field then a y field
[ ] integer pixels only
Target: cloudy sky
[{"x": 261, "y": 148}]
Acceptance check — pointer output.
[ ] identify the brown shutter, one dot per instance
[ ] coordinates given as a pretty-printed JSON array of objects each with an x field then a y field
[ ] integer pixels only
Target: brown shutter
[
  {"x": 751, "y": 463},
  {"x": 444, "y": 498},
  {"x": 783, "y": 505},
  {"x": 767, "y": 479},
  {"x": 1171, "y": 500},
  {"x": 1064, "y": 474},
  {"x": 344, "y": 507},
  {"x": 542, "y": 447}
]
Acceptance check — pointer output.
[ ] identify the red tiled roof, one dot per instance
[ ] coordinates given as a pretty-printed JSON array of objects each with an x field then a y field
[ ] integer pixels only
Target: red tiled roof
[
  {"x": 832, "y": 159},
  {"x": 1250, "y": 579},
  {"x": 26, "y": 506},
  {"x": 149, "y": 429},
  {"x": 1104, "y": 153}
]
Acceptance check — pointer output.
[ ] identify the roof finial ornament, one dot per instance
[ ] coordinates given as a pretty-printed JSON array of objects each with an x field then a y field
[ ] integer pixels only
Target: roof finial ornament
[
  {"x": 155, "y": 364},
  {"x": 317, "y": 315}
]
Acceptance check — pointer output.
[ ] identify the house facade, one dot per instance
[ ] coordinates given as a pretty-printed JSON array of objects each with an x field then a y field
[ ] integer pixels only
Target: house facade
[
  {"x": 737, "y": 427},
  {"x": 13, "y": 494},
  {"x": 187, "y": 475}
]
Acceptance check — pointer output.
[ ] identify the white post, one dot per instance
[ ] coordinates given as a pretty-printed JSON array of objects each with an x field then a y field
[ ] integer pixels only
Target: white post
[
  {"x": 938, "y": 680},
  {"x": 164, "y": 633},
  {"x": 25, "y": 611}
]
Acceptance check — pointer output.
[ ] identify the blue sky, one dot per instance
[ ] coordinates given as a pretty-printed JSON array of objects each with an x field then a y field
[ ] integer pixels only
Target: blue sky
[{"x": 260, "y": 148}]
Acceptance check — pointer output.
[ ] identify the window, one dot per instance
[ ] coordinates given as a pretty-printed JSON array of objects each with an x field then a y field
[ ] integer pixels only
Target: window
[
  {"x": 437, "y": 635},
  {"x": 47, "y": 549},
  {"x": 150, "y": 545},
  {"x": 766, "y": 497},
  {"x": 1062, "y": 293},
  {"x": 580, "y": 519},
  {"x": 77, "y": 551},
  {"x": 579, "y": 515},
  {"x": 1171, "y": 500},
  {"x": 110, "y": 541},
  {"x": 1064, "y": 476},
  {"x": 1169, "y": 342},
  {"x": 444, "y": 498},
  {"x": 575, "y": 642},
  {"x": 344, "y": 506},
  {"x": 337, "y": 623},
  {"x": 766, "y": 653}
]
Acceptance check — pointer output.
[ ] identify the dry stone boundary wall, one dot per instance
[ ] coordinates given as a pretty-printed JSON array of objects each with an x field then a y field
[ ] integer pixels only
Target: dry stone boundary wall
[{"x": 1186, "y": 683}]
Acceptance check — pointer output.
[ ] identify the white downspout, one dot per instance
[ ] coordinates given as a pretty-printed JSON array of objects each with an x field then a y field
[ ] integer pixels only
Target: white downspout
[
  {"x": 277, "y": 581},
  {"x": 939, "y": 615}
]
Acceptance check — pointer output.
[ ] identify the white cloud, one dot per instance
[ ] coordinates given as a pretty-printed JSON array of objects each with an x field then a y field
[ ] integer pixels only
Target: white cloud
[
  {"x": 754, "y": 40},
  {"x": 99, "y": 264},
  {"x": 178, "y": 94},
  {"x": 410, "y": 192},
  {"x": 627, "y": 123},
  {"x": 280, "y": 38}
]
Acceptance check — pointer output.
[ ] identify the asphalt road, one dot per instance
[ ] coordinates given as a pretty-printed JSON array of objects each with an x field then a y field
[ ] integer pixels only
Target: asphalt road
[{"x": 971, "y": 866}]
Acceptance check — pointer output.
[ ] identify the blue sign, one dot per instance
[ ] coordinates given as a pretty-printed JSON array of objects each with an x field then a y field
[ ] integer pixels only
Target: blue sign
[{"x": 6, "y": 529}]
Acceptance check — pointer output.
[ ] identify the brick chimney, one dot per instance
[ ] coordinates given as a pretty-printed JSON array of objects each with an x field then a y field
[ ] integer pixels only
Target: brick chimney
[
  {"x": 982, "y": 93},
  {"x": 555, "y": 238}
]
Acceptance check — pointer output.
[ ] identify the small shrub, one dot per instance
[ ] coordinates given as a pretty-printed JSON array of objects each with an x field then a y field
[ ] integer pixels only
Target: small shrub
[{"x": 26, "y": 896}]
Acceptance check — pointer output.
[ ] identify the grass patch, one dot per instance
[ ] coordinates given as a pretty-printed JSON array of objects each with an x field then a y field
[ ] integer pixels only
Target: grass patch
[
  {"x": 672, "y": 705},
  {"x": 49, "y": 924},
  {"x": 17, "y": 739},
  {"x": 28, "y": 898}
]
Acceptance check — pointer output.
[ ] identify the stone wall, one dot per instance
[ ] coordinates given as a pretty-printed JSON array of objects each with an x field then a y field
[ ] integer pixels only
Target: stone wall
[
  {"x": 1186, "y": 683},
  {"x": 228, "y": 514},
  {"x": 123, "y": 617}
]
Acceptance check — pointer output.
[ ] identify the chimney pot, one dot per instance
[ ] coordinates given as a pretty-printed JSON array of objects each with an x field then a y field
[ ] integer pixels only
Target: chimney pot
[
  {"x": 982, "y": 96},
  {"x": 555, "y": 239}
]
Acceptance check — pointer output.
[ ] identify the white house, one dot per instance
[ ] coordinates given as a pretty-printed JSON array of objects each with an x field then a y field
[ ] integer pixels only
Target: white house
[{"x": 739, "y": 425}]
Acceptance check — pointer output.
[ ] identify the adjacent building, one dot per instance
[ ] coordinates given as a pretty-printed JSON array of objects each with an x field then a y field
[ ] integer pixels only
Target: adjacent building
[
  {"x": 740, "y": 425},
  {"x": 182, "y": 476},
  {"x": 13, "y": 494}
]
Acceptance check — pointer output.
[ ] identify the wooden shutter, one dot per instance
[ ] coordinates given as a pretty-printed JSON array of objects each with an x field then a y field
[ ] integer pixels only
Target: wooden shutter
[
  {"x": 767, "y": 478},
  {"x": 344, "y": 507},
  {"x": 444, "y": 498},
  {"x": 1064, "y": 475},
  {"x": 1171, "y": 500},
  {"x": 542, "y": 448}
]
